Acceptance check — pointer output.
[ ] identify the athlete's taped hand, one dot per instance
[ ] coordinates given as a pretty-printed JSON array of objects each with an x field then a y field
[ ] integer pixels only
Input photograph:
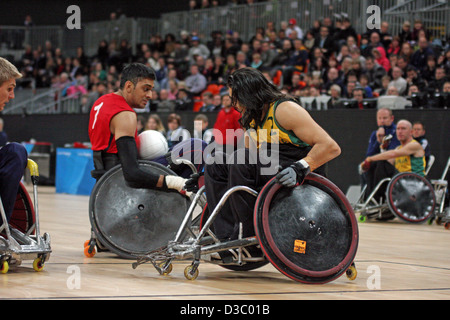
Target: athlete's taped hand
[{"x": 175, "y": 182}]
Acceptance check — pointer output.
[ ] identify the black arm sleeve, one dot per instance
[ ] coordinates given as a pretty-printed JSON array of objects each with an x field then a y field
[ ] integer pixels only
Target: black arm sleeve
[{"x": 134, "y": 176}]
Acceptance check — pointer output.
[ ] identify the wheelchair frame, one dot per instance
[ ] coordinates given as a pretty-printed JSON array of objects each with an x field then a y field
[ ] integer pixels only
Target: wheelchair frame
[
  {"x": 18, "y": 245},
  {"x": 203, "y": 245},
  {"x": 362, "y": 207}
]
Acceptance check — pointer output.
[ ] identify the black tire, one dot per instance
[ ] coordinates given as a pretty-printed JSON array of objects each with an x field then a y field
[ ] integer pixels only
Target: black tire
[{"x": 310, "y": 232}]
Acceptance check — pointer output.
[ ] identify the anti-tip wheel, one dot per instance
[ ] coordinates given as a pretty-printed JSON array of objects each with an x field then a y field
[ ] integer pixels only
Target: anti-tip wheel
[
  {"x": 190, "y": 274},
  {"x": 351, "y": 273},
  {"x": 163, "y": 270},
  {"x": 89, "y": 252},
  {"x": 38, "y": 264},
  {"x": 4, "y": 267}
]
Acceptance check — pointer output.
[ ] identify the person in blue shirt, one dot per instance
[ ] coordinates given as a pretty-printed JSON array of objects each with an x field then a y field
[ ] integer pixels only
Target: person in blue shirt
[
  {"x": 382, "y": 139},
  {"x": 3, "y": 135},
  {"x": 13, "y": 156},
  {"x": 386, "y": 127}
]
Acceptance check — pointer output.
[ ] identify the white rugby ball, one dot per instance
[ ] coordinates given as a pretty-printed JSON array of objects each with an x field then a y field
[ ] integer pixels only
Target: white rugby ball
[{"x": 152, "y": 144}]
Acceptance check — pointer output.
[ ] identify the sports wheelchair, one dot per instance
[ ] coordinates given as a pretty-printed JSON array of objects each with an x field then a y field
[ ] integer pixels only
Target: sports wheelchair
[
  {"x": 117, "y": 225},
  {"x": 409, "y": 196},
  {"x": 20, "y": 238},
  {"x": 309, "y": 233},
  {"x": 129, "y": 221}
]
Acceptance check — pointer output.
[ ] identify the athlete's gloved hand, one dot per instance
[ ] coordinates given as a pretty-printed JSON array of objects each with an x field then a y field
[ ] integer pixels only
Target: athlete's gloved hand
[
  {"x": 191, "y": 184},
  {"x": 296, "y": 172},
  {"x": 173, "y": 165}
]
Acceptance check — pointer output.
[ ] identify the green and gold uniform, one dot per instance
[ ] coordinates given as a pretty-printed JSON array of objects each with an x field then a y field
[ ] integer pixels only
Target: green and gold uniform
[
  {"x": 290, "y": 147},
  {"x": 410, "y": 163}
]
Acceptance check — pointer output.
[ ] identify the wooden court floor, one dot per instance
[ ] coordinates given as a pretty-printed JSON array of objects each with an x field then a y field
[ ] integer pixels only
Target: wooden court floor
[{"x": 395, "y": 260}]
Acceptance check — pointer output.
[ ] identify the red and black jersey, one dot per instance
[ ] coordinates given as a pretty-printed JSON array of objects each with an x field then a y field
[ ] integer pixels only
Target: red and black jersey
[{"x": 103, "y": 110}]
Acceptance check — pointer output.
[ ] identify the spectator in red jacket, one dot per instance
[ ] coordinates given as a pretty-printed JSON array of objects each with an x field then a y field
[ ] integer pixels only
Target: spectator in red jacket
[
  {"x": 380, "y": 56},
  {"x": 227, "y": 124}
]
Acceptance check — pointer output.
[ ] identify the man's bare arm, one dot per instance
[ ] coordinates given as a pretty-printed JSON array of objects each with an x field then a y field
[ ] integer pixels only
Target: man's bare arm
[
  {"x": 293, "y": 117},
  {"x": 412, "y": 148}
]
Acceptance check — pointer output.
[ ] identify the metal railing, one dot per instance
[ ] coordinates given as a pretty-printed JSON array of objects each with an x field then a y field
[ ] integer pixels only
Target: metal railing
[
  {"x": 14, "y": 39},
  {"x": 244, "y": 19},
  {"x": 434, "y": 14},
  {"x": 241, "y": 18},
  {"x": 51, "y": 101}
]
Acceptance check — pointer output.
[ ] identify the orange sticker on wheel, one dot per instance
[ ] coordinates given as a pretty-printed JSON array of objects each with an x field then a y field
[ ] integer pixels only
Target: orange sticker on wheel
[{"x": 299, "y": 246}]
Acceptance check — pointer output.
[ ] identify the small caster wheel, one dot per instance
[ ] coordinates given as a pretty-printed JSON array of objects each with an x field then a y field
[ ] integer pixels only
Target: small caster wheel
[
  {"x": 439, "y": 221},
  {"x": 4, "y": 267},
  {"x": 165, "y": 270},
  {"x": 190, "y": 274},
  {"x": 447, "y": 225},
  {"x": 362, "y": 218},
  {"x": 38, "y": 265},
  {"x": 89, "y": 252},
  {"x": 351, "y": 273}
]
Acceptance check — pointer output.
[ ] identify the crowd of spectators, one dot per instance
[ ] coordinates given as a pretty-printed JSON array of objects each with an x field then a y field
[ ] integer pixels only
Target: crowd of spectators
[
  {"x": 329, "y": 59},
  {"x": 208, "y": 4}
]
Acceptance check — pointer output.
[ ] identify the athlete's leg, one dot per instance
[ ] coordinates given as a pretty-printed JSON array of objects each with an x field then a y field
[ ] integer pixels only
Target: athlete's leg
[
  {"x": 216, "y": 184},
  {"x": 13, "y": 161}
]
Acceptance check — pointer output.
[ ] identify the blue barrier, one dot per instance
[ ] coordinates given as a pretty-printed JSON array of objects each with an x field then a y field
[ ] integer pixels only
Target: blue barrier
[{"x": 73, "y": 171}]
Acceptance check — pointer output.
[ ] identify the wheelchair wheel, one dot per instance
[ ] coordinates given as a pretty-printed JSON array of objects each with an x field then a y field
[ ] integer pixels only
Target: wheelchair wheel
[
  {"x": 23, "y": 216},
  {"x": 411, "y": 197},
  {"x": 309, "y": 233},
  {"x": 132, "y": 222}
]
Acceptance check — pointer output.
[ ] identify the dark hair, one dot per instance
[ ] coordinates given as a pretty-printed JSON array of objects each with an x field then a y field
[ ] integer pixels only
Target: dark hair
[
  {"x": 135, "y": 72},
  {"x": 252, "y": 90},
  {"x": 419, "y": 122},
  {"x": 174, "y": 116}
]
